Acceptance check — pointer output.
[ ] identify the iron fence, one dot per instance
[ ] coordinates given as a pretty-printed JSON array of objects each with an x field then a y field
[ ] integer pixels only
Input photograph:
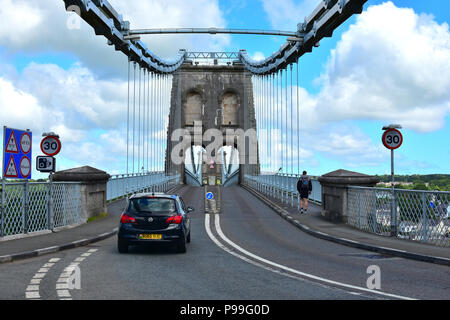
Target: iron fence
[
  {"x": 28, "y": 207},
  {"x": 410, "y": 214},
  {"x": 284, "y": 187},
  {"x": 125, "y": 184}
]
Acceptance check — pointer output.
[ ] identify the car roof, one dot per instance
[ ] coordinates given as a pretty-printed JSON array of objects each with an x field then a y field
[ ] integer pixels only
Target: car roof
[{"x": 155, "y": 195}]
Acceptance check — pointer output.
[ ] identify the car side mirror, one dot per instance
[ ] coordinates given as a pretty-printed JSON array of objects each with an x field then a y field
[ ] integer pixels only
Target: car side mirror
[{"x": 190, "y": 209}]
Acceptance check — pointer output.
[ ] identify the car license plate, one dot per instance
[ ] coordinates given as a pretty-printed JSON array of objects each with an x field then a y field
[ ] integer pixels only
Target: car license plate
[{"x": 150, "y": 236}]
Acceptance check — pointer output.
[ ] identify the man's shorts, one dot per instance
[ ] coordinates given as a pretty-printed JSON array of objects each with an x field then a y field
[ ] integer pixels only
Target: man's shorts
[{"x": 304, "y": 193}]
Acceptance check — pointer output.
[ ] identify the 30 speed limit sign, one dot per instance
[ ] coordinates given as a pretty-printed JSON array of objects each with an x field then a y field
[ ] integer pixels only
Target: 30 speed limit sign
[
  {"x": 50, "y": 146},
  {"x": 392, "y": 139}
]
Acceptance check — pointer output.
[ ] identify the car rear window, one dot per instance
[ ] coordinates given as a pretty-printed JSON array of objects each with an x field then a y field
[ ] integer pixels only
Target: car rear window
[{"x": 152, "y": 205}]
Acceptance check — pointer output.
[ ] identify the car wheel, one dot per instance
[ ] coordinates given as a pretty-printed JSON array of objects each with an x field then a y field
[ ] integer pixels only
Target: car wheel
[
  {"x": 181, "y": 247},
  {"x": 122, "y": 246}
]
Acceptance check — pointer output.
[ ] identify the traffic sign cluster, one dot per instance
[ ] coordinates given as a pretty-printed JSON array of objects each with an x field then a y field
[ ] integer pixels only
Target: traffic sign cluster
[{"x": 17, "y": 153}]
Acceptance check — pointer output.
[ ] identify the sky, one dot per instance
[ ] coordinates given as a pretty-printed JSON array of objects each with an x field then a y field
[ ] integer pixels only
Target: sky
[{"x": 391, "y": 64}]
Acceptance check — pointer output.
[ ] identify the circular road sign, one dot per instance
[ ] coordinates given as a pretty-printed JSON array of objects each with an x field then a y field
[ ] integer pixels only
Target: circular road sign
[
  {"x": 25, "y": 166},
  {"x": 209, "y": 196},
  {"x": 392, "y": 139},
  {"x": 50, "y": 146},
  {"x": 25, "y": 142}
]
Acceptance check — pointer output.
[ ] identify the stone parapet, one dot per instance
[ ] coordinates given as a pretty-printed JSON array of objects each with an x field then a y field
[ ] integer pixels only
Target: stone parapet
[
  {"x": 334, "y": 192},
  {"x": 93, "y": 188}
]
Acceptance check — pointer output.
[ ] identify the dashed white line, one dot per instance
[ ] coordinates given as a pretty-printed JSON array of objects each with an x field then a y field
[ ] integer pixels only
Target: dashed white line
[
  {"x": 63, "y": 283},
  {"x": 32, "y": 291}
]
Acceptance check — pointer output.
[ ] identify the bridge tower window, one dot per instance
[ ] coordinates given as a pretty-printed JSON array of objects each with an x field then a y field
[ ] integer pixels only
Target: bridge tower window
[
  {"x": 230, "y": 109},
  {"x": 193, "y": 108}
]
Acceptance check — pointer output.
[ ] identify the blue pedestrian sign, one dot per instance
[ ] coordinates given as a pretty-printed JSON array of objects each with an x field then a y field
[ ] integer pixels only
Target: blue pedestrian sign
[
  {"x": 209, "y": 196},
  {"x": 16, "y": 153}
]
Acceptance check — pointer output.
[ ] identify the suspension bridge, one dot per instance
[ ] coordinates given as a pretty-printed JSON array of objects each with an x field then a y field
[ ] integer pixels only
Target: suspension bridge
[
  {"x": 223, "y": 131},
  {"x": 160, "y": 103}
]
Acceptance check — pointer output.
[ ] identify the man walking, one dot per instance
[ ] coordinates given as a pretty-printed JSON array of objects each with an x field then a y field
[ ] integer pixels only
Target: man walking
[{"x": 304, "y": 188}]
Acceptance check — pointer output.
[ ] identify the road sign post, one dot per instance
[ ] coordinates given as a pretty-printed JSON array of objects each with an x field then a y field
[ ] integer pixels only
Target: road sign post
[
  {"x": 50, "y": 146},
  {"x": 17, "y": 146},
  {"x": 392, "y": 139}
]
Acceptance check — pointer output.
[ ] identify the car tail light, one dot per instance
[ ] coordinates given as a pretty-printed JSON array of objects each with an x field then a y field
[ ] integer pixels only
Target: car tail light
[
  {"x": 127, "y": 219},
  {"x": 175, "y": 219}
]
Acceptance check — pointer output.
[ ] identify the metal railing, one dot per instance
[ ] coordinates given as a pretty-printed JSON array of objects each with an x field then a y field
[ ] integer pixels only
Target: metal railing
[
  {"x": 125, "y": 184},
  {"x": 418, "y": 215},
  {"x": 283, "y": 187},
  {"x": 28, "y": 207},
  {"x": 193, "y": 179}
]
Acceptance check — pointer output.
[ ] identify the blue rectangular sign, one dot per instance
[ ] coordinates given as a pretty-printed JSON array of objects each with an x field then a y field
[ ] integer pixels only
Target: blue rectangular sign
[{"x": 17, "y": 153}]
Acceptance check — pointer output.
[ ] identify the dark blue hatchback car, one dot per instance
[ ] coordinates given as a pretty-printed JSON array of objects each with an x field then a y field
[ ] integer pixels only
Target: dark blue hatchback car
[{"x": 155, "y": 218}]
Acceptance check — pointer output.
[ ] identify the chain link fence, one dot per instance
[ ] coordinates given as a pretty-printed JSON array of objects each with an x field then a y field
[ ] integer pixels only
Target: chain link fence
[
  {"x": 409, "y": 214},
  {"x": 28, "y": 207}
]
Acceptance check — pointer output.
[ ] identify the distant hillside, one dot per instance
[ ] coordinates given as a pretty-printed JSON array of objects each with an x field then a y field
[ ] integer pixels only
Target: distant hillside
[{"x": 439, "y": 182}]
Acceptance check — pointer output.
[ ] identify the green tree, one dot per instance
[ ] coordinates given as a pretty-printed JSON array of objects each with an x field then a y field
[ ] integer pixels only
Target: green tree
[{"x": 419, "y": 186}]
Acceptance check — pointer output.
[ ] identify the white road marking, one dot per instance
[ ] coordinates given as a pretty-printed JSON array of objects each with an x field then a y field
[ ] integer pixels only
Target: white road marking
[
  {"x": 279, "y": 266},
  {"x": 39, "y": 275},
  {"x": 33, "y": 287},
  {"x": 32, "y": 295},
  {"x": 48, "y": 265},
  {"x": 62, "y": 284},
  {"x": 63, "y": 294},
  {"x": 32, "y": 291}
]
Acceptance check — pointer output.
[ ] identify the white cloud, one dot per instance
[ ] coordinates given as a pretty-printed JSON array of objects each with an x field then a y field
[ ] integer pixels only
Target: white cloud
[
  {"x": 83, "y": 100},
  {"x": 258, "y": 56},
  {"x": 391, "y": 65},
  {"x": 19, "y": 109},
  {"x": 350, "y": 145},
  {"x": 69, "y": 135},
  {"x": 88, "y": 114},
  {"x": 42, "y": 27},
  {"x": 17, "y": 18}
]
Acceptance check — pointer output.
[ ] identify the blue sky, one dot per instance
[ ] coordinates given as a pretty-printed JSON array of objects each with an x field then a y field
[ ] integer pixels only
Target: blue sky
[{"x": 391, "y": 63}]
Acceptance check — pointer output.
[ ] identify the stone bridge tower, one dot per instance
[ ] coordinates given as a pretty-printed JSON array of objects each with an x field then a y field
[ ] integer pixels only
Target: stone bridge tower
[{"x": 210, "y": 97}]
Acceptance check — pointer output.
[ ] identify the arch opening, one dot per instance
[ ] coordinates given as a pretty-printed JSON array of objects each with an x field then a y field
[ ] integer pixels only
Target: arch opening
[
  {"x": 193, "y": 108},
  {"x": 230, "y": 109}
]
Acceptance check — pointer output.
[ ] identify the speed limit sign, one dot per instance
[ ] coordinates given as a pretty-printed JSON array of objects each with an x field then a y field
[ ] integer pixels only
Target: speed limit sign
[
  {"x": 50, "y": 145},
  {"x": 392, "y": 139}
]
